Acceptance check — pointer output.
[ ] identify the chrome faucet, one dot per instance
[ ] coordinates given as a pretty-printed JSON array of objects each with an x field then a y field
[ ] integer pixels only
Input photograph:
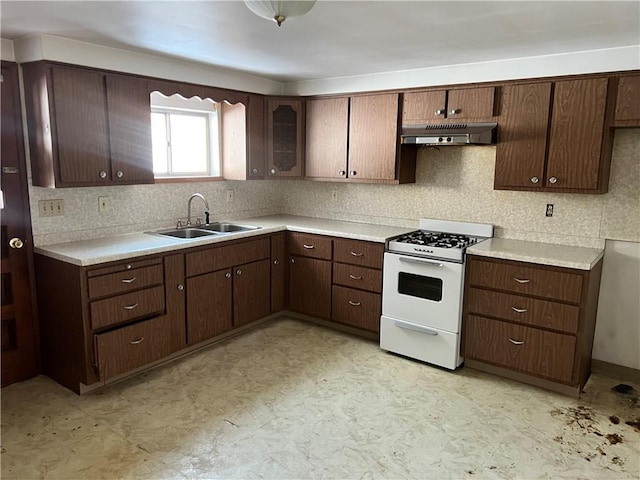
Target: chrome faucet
[{"x": 206, "y": 205}]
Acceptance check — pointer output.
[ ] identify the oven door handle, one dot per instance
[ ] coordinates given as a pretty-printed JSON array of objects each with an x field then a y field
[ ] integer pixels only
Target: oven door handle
[
  {"x": 420, "y": 261},
  {"x": 416, "y": 328}
]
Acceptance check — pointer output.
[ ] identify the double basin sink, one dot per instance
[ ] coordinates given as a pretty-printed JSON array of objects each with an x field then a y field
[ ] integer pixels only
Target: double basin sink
[{"x": 206, "y": 230}]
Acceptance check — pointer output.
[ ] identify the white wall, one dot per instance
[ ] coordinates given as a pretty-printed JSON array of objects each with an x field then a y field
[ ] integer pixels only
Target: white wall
[
  {"x": 6, "y": 50},
  {"x": 618, "y": 325}
]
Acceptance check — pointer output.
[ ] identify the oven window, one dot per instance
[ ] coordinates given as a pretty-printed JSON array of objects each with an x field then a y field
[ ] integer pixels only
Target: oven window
[{"x": 420, "y": 286}]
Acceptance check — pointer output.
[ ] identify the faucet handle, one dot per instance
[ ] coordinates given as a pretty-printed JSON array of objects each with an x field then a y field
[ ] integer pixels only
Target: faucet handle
[
  {"x": 198, "y": 221},
  {"x": 206, "y": 218},
  {"x": 179, "y": 224}
]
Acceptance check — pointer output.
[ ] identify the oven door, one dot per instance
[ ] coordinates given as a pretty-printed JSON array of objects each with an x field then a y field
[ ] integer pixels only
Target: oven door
[{"x": 423, "y": 291}]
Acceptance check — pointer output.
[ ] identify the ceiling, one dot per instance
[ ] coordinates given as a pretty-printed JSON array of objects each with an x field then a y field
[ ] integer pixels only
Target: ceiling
[{"x": 336, "y": 38}]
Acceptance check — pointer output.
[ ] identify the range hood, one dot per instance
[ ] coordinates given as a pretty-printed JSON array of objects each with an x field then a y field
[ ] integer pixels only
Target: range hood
[{"x": 449, "y": 134}]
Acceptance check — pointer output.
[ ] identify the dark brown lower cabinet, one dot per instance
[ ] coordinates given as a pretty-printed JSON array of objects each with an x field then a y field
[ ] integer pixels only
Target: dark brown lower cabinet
[
  {"x": 356, "y": 308},
  {"x": 209, "y": 305},
  {"x": 310, "y": 286},
  {"x": 251, "y": 292},
  {"x": 278, "y": 272}
]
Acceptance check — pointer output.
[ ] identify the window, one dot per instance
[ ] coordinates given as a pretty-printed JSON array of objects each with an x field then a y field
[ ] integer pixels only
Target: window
[{"x": 185, "y": 137}]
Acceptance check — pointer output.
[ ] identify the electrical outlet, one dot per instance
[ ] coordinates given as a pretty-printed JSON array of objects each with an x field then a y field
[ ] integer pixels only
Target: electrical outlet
[
  {"x": 50, "y": 208},
  {"x": 229, "y": 196},
  {"x": 334, "y": 195},
  {"x": 104, "y": 204},
  {"x": 549, "y": 211}
]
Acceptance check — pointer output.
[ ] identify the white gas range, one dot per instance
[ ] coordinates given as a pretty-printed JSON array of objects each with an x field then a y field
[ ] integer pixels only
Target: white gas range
[{"x": 422, "y": 287}]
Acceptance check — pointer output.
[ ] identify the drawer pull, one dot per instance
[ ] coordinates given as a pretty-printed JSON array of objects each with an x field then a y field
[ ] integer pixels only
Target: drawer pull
[
  {"x": 354, "y": 304},
  {"x": 516, "y": 342},
  {"x": 355, "y": 277},
  {"x": 131, "y": 307},
  {"x": 129, "y": 280},
  {"x": 519, "y": 310},
  {"x": 356, "y": 254},
  {"x": 136, "y": 342},
  {"x": 520, "y": 280},
  {"x": 308, "y": 247}
]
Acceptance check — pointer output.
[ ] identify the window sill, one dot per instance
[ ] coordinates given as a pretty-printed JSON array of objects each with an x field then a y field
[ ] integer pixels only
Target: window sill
[{"x": 187, "y": 179}]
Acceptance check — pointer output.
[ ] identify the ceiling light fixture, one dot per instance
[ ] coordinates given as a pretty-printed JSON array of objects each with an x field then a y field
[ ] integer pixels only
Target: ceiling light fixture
[{"x": 279, "y": 11}]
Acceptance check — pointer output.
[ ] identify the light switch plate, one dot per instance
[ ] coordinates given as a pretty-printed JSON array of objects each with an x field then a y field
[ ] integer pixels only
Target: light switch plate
[
  {"x": 50, "y": 208},
  {"x": 104, "y": 204}
]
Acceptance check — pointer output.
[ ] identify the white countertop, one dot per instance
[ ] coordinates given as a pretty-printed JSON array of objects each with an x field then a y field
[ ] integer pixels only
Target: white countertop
[
  {"x": 555, "y": 255},
  {"x": 122, "y": 247}
]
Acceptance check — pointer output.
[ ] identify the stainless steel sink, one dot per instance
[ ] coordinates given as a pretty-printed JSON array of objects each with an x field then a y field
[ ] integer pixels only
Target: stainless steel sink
[
  {"x": 186, "y": 233},
  {"x": 222, "y": 227}
]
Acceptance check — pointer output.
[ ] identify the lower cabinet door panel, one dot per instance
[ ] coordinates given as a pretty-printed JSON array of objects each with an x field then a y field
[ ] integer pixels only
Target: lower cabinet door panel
[
  {"x": 209, "y": 306},
  {"x": 524, "y": 349},
  {"x": 356, "y": 308},
  {"x": 251, "y": 292},
  {"x": 310, "y": 286},
  {"x": 127, "y": 348}
]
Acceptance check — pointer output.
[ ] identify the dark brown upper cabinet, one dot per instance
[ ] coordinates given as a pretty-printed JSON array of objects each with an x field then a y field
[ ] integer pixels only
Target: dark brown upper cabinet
[
  {"x": 356, "y": 139},
  {"x": 628, "y": 102},
  {"x": 285, "y": 130},
  {"x": 86, "y": 127},
  {"x": 556, "y": 137},
  {"x": 243, "y": 139},
  {"x": 455, "y": 104}
]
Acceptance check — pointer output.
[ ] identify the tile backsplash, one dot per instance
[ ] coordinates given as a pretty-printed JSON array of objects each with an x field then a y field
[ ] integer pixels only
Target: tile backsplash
[{"x": 454, "y": 183}]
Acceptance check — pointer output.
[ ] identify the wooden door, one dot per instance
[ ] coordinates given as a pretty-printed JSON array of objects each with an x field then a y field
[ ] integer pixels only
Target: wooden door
[
  {"x": 278, "y": 272},
  {"x": 326, "y": 139},
  {"x": 209, "y": 303},
  {"x": 251, "y": 292},
  {"x": 423, "y": 107},
  {"x": 628, "y": 102},
  {"x": 310, "y": 286},
  {"x": 522, "y": 136},
  {"x": 577, "y": 132},
  {"x": 284, "y": 138},
  {"x": 80, "y": 122},
  {"x": 19, "y": 332},
  {"x": 373, "y": 136},
  {"x": 129, "y": 110},
  {"x": 470, "y": 103}
]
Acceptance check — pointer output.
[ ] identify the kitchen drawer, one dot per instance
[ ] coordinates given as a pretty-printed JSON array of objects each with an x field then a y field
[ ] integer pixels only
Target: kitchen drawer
[
  {"x": 126, "y": 348},
  {"x": 309, "y": 245},
  {"x": 130, "y": 306},
  {"x": 357, "y": 252},
  {"x": 125, "y": 281},
  {"x": 121, "y": 267},
  {"x": 524, "y": 349},
  {"x": 527, "y": 310},
  {"x": 356, "y": 308},
  {"x": 227, "y": 256},
  {"x": 522, "y": 278},
  {"x": 357, "y": 277}
]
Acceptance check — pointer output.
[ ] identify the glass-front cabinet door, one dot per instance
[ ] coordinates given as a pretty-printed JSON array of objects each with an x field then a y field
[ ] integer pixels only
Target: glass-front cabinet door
[{"x": 285, "y": 140}]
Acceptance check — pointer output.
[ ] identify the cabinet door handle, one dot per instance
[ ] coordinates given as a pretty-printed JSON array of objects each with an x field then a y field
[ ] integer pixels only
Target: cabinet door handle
[
  {"x": 130, "y": 307},
  {"x": 453, "y": 111},
  {"x": 439, "y": 112},
  {"x": 308, "y": 247},
  {"x": 353, "y": 173},
  {"x": 553, "y": 180},
  {"x": 276, "y": 262},
  {"x": 516, "y": 342},
  {"x": 129, "y": 280},
  {"x": 180, "y": 287},
  {"x": 103, "y": 174},
  {"x": 356, "y": 254},
  {"x": 227, "y": 275},
  {"x": 355, "y": 277},
  {"x": 535, "y": 179},
  {"x": 292, "y": 260},
  {"x": 254, "y": 171},
  {"x": 136, "y": 342},
  {"x": 238, "y": 272},
  {"x": 354, "y": 304},
  {"x": 342, "y": 173},
  {"x": 519, "y": 310},
  {"x": 520, "y": 280},
  {"x": 119, "y": 174}
]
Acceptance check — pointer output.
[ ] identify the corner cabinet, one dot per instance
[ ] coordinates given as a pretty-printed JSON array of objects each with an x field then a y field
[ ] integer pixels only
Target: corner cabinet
[
  {"x": 530, "y": 322},
  {"x": 86, "y": 127},
  {"x": 285, "y": 142},
  {"x": 356, "y": 139},
  {"x": 556, "y": 137}
]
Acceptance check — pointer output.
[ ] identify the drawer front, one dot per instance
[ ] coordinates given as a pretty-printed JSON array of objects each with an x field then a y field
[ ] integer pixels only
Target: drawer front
[
  {"x": 122, "y": 267},
  {"x": 227, "y": 256},
  {"x": 524, "y": 279},
  {"x": 126, "y": 348},
  {"x": 527, "y": 310},
  {"x": 357, "y": 277},
  {"x": 357, "y": 252},
  {"x": 130, "y": 306},
  {"x": 126, "y": 281},
  {"x": 356, "y": 308},
  {"x": 528, "y": 350},
  {"x": 309, "y": 245}
]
